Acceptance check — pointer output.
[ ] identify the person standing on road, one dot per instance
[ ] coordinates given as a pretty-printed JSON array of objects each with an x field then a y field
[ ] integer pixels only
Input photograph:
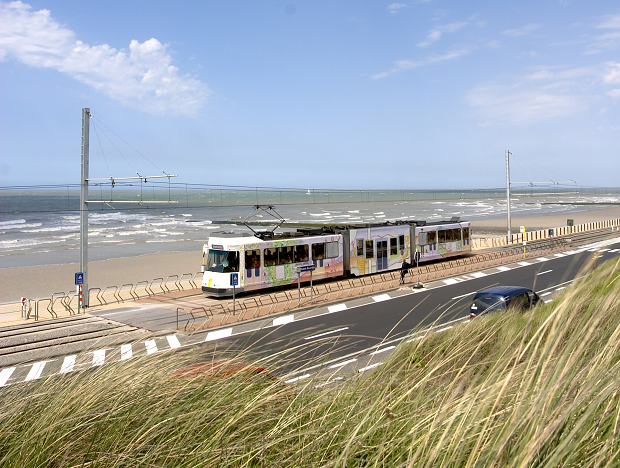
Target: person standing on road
[{"x": 404, "y": 270}]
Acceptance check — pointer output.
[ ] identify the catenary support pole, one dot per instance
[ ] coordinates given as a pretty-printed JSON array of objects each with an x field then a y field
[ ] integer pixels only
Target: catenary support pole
[
  {"x": 84, "y": 204},
  {"x": 508, "y": 239}
]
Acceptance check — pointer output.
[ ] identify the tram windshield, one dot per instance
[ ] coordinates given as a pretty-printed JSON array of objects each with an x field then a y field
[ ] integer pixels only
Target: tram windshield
[{"x": 221, "y": 261}]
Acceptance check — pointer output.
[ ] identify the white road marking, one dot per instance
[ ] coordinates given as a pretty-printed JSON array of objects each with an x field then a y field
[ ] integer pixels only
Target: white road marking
[
  {"x": 326, "y": 333},
  {"x": 614, "y": 250},
  {"x": 328, "y": 382},
  {"x": 341, "y": 364},
  {"x": 126, "y": 352},
  {"x": 217, "y": 334},
  {"x": 503, "y": 268},
  {"x": 559, "y": 289},
  {"x": 173, "y": 341},
  {"x": 592, "y": 250},
  {"x": 443, "y": 329},
  {"x": 542, "y": 259},
  {"x": 524, "y": 263},
  {"x": 559, "y": 255},
  {"x": 450, "y": 281},
  {"x": 67, "y": 364},
  {"x": 337, "y": 308},
  {"x": 550, "y": 300},
  {"x": 543, "y": 272},
  {"x": 382, "y": 297},
  {"x": 545, "y": 294},
  {"x": 415, "y": 339},
  {"x": 376, "y": 364},
  {"x": 99, "y": 357},
  {"x": 462, "y": 295},
  {"x": 5, "y": 375},
  {"x": 283, "y": 320},
  {"x": 603, "y": 250},
  {"x": 384, "y": 349},
  {"x": 296, "y": 379},
  {"x": 479, "y": 274},
  {"x": 36, "y": 370},
  {"x": 151, "y": 346}
]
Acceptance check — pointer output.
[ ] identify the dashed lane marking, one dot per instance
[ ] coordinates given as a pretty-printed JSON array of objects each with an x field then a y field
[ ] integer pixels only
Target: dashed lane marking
[
  {"x": 383, "y": 350},
  {"x": 218, "y": 334},
  {"x": 381, "y": 297},
  {"x": 126, "y": 352},
  {"x": 35, "y": 371},
  {"x": 545, "y": 294},
  {"x": 297, "y": 379},
  {"x": 503, "y": 268},
  {"x": 543, "y": 272},
  {"x": 550, "y": 300},
  {"x": 559, "y": 289},
  {"x": 450, "y": 281},
  {"x": 326, "y": 333},
  {"x": 559, "y": 255},
  {"x": 542, "y": 259},
  {"x": 337, "y": 308},
  {"x": 283, "y": 320},
  {"x": 443, "y": 329},
  {"x": 5, "y": 375},
  {"x": 335, "y": 379},
  {"x": 173, "y": 341},
  {"x": 479, "y": 274},
  {"x": 68, "y": 363},
  {"x": 524, "y": 263},
  {"x": 342, "y": 364},
  {"x": 372, "y": 366},
  {"x": 463, "y": 295}
]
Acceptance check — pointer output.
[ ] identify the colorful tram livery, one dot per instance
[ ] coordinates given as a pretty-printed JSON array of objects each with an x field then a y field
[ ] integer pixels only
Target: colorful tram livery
[{"x": 267, "y": 260}]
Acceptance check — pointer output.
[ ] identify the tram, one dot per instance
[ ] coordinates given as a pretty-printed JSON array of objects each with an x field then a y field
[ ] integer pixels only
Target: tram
[{"x": 267, "y": 259}]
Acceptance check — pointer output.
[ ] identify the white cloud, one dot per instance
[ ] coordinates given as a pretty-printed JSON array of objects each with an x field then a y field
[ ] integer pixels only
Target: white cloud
[
  {"x": 612, "y": 76},
  {"x": 614, "y": 93},
  {"x": 523, "y": 106},
  {"x": 610, "y": 22},
  {"x": 401, "y": 65},
  {"x": 523, "y": 30},
  {"x": 142, "y": 76},
  {"x": 394, "y": 7},
  {"x": 437, "y": 32}
]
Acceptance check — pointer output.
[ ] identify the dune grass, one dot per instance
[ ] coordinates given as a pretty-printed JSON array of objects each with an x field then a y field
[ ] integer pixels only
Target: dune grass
[{"x": 540, "y": 389}]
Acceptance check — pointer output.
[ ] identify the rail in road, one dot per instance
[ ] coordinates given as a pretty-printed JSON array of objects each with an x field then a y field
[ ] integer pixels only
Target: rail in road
[{"x": 367, "y": 328}]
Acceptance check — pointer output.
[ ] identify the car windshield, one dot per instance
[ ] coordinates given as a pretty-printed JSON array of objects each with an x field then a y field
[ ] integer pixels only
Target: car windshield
[
  {"x": 221, "y": 261},
  {"x": 488, "y": 303}
]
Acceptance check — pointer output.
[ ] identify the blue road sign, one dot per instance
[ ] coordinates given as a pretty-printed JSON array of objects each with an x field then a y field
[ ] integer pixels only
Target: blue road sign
[
  {"x": 234, "y": 279},
  {"x": 307, "y": 268},
  {"x": 79, "y": 278}
]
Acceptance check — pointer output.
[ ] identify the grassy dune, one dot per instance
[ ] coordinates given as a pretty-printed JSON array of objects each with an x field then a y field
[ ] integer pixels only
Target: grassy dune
[{"x": 507, "y": 390}]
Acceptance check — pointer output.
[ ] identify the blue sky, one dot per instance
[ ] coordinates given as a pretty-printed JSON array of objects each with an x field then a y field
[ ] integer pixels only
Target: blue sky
[{"x": 320, "y": 94}]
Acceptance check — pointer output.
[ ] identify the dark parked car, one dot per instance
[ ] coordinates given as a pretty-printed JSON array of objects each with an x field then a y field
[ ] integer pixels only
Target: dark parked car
[{"x": 501, "y": 297}]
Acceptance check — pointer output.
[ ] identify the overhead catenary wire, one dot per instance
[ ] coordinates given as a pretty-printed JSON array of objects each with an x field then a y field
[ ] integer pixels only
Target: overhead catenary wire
[{"x": 530, "y": 163}]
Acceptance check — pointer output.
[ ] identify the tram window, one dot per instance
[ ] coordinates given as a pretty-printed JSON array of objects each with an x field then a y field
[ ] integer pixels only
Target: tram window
[
  {"x": 301, "y": 253},
  {"x": 318, "y": 251},
  {"x": 431, "y": 237},
  {"x": 332, "y": 250},
  {"x": 370, "y": 248},
  {"x": 422, "y": 238},
  {"x": 221, "y": 261},
  {"x": 401, "y": 242},
  {"x": 252, "y": 259},
  {"x": 466, "y": 235},
  {"x": 457, "y": 234},
  {"x": 393, "y": 246},
  {"x": 285, "y": 255},
  {"x": 271, "y": 257},
  {"x": 360, "y": 247}
]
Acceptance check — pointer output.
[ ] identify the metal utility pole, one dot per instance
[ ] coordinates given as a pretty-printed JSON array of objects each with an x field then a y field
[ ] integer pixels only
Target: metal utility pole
[
  {"x": 508, "y": 153},
  {"x": 84, "y": 204}
]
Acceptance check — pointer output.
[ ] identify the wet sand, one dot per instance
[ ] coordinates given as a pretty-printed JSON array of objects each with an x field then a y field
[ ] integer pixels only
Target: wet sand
[{"x": 43, "y": 281}]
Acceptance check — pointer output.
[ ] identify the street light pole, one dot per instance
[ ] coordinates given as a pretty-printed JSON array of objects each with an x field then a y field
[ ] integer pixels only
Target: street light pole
[
  {"x": 508, "y": 153},
  {"x": 84, "y": 204}
]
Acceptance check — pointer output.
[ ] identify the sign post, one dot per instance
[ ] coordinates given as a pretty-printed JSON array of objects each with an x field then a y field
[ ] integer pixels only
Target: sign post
[
  {"x": 416, "y": 258},
  {"x": 234, "y": 282},
  {"x": 79, "y": 281},
  {"x": 523, "y": 237},
  {"x": 300, "y": 270}
]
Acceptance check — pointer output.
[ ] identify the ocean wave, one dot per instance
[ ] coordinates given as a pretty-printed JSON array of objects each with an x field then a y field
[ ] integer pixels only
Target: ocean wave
[
  {"x": 52, "y": 229},
  {"x": 19, "y": 226},
  {"x": 12, "y": 222}
]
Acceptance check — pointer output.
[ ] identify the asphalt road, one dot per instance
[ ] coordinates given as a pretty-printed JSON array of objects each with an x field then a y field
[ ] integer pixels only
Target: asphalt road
[{"x": 340, "y": 338}]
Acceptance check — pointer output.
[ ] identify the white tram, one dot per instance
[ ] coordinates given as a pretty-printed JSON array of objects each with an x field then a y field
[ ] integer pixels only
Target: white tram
[{"x": 265, "y": 259}]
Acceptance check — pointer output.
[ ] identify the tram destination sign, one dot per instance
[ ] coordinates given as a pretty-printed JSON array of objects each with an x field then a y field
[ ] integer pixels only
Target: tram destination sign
[{"x": 307, "y": 268}]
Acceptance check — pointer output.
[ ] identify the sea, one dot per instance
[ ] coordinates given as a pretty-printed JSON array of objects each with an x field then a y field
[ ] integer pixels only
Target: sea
[{"x": 40, "y": 226}]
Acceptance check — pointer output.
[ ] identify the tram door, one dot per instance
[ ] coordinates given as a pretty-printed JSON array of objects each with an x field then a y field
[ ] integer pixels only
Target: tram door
[{"x": 382, "y": 255}]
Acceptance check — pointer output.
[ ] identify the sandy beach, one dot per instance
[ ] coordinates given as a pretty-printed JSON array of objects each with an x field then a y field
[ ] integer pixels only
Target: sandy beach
[{"x": 43, "y": 281}]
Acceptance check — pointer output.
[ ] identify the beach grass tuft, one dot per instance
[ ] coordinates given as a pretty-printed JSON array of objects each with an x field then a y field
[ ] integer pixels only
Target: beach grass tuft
[{"x": 534, "y": 389}]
